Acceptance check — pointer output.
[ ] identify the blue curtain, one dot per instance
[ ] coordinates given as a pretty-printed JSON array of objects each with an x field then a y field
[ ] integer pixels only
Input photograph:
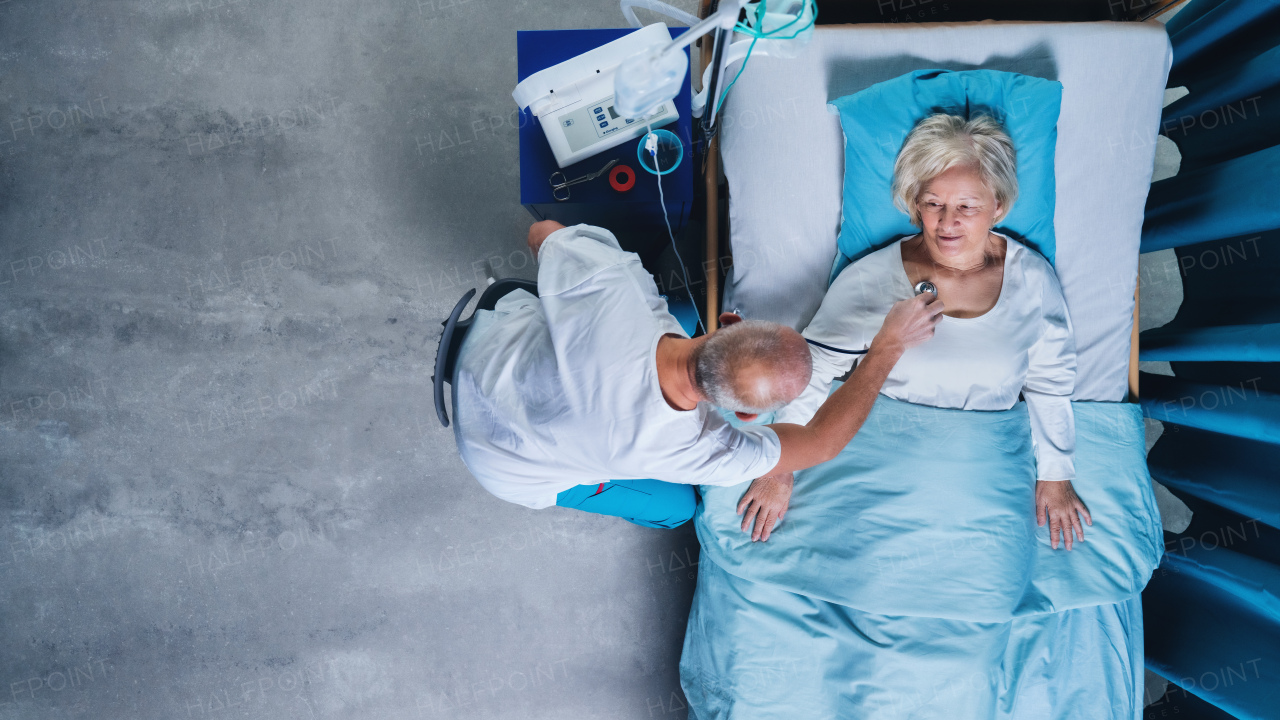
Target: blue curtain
[{"x": 1212, "y": 609}]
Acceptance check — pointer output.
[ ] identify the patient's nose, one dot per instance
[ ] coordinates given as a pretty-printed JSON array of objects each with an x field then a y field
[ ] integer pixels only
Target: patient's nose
[{"x": 949, "y": 221}]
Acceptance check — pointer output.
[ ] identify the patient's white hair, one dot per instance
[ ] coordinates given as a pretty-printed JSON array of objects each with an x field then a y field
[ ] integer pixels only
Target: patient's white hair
[
  {"x": 753, "y": 366},
  {"x": 941, "y": 142}
]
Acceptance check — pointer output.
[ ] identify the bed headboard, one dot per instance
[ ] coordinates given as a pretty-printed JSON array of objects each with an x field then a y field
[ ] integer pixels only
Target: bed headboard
[{"x": 839, "y": 12}]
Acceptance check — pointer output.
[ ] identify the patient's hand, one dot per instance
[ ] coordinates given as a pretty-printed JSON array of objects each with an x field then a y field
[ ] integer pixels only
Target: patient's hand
[
  {"x": 1058, "y": 500},
  {"x": 765, "y": 503}
]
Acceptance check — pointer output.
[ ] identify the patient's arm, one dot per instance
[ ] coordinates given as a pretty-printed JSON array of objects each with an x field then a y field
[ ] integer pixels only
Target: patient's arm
[
  {"x": 1051, "y": 378},
  {"x": 1051, "y": 375},
  {"x": 908, "y": 324}
]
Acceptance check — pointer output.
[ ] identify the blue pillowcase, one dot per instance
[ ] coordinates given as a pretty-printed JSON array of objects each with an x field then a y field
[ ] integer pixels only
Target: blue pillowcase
[{"x": 876, "y": 122}]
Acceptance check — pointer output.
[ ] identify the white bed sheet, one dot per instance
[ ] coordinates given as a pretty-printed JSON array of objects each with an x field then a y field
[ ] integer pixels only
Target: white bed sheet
[{"x": 783, "y": 158}]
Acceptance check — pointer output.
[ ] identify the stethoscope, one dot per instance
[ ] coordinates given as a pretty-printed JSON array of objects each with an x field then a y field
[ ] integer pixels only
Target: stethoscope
[{"x": 924, "y": 286}]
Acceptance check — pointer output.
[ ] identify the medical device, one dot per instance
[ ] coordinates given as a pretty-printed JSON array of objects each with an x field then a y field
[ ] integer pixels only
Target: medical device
[
  {"x": 652, "y": 77},
  {"x": 574, "y": 101},
  {"x": 647, "y": 81},
  {"x": 562, "y": 185},
  {"x": 624, "y": 88}
]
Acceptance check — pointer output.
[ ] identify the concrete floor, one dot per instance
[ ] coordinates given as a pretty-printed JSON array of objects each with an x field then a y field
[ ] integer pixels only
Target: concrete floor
[
  {"x": 228, "y": 234},
  {"x": 229, "y": 230}
]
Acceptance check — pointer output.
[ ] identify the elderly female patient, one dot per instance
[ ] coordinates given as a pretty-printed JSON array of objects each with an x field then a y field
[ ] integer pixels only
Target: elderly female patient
[{"x": 1005, "y": 328}]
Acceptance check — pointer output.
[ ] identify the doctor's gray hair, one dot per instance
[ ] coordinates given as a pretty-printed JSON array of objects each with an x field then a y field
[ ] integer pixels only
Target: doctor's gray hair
[
  {"x": 941, "y": 142},
  {"x": 753, "y": 366}
]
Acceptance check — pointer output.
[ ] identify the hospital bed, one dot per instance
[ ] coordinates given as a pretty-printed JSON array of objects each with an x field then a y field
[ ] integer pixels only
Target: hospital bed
[
  {"x": 782, "y": 158},
  {"x": 783, "y": 164}
]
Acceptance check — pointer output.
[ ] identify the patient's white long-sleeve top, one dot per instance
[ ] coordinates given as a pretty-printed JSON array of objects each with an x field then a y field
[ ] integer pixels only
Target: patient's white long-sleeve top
[
  {"x": 1022, "y": 345},
  {"x": 562, "y": 389}
]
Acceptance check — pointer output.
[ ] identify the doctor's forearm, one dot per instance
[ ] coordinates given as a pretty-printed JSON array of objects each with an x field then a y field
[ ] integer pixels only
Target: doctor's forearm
[{"x": 840, "y": 417}]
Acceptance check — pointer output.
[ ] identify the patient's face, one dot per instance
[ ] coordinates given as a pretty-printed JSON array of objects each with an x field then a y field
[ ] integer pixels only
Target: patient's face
[{"x": 957, "y": 211}]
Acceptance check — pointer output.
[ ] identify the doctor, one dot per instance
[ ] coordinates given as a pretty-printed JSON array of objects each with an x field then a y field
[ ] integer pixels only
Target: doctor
[{"x": 591, "y": 396}]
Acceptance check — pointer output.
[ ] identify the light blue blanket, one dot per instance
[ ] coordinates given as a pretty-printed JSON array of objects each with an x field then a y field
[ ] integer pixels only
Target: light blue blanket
[
  {"x": 910, "y": 580},
  {"x": 757, "y": 652},
  {"x": 931, "y": 512}
]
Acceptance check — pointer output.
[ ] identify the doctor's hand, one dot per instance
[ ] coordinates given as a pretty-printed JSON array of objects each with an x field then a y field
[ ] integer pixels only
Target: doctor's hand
[
  {"x": 539, "y": 232},
  {"x": 1058, "y": 500},
  {"x": 910, "y": 322},
  {"x": 765, "y": 504}
]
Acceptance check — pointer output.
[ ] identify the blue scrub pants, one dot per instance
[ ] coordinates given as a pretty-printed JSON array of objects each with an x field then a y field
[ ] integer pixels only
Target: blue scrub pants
[{"x": 651, "y": 503}]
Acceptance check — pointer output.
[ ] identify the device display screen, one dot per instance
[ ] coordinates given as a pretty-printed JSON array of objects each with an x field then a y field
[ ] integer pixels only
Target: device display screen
[{"x": 613, "y": 113}]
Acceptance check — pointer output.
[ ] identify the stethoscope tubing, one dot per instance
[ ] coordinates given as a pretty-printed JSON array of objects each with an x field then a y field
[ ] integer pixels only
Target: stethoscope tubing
[
  {"x": 923, "y": 286},
  {"x": 836, "y": 349}
]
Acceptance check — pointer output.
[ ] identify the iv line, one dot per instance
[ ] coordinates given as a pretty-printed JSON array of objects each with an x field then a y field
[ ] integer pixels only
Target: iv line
[{"x": 650, "y": 137}]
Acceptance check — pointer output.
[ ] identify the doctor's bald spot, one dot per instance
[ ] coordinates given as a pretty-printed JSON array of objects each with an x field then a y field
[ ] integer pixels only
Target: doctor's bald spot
[{"x": 753, "y": 366}]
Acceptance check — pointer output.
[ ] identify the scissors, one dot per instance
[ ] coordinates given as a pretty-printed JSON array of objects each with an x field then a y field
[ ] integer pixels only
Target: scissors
[{"x": 563, "y": 184}]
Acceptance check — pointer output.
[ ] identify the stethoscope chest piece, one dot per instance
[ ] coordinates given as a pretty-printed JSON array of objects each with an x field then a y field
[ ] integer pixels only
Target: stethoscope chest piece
[{"x": 924, "y": 286}]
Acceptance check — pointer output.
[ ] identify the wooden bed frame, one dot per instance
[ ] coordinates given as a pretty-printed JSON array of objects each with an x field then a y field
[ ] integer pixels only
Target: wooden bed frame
[{"x": 711, "y": 176}]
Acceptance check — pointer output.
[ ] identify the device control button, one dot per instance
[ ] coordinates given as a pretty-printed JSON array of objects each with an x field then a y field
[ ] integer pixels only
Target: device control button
[
  {"x": 604, "y": 124},
  {"x": 598, "y": 110},
  {"x": 599, "y": 117},
  {"x": 568, "y": 122}
]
